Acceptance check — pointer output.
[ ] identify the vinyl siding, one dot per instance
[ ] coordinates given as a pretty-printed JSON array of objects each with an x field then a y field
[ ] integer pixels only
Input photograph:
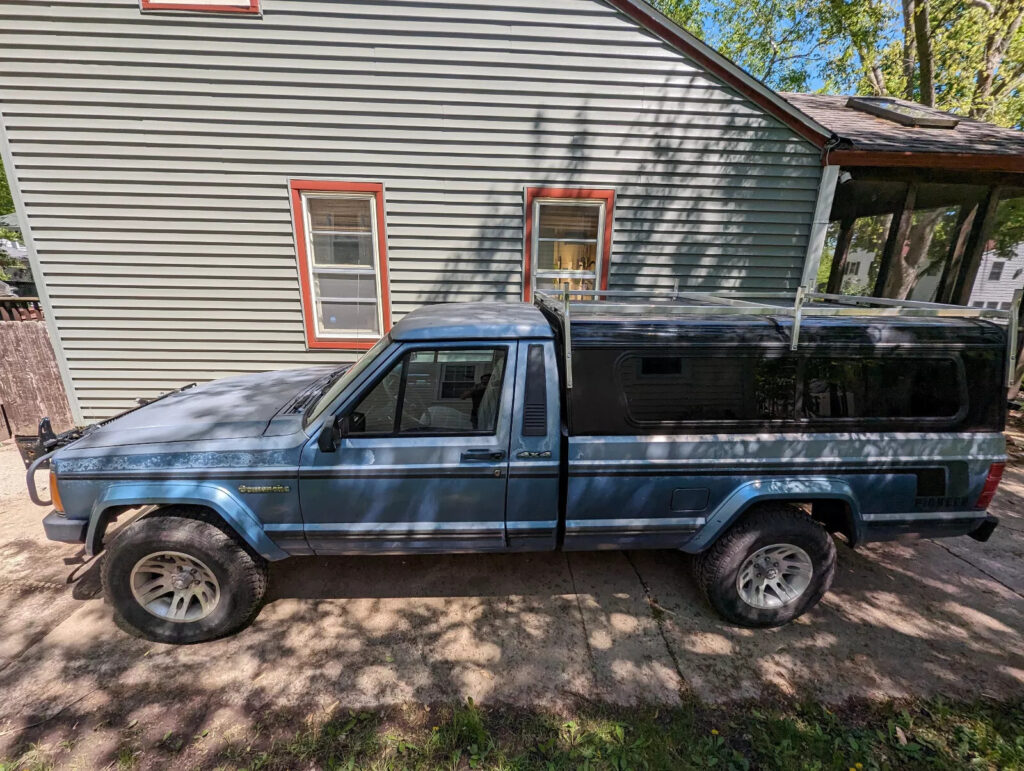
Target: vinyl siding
[{"x": 153, "y": 152}]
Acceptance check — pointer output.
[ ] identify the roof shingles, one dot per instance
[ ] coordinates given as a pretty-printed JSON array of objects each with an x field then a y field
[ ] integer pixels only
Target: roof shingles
[{"x": 869, "y": 133}]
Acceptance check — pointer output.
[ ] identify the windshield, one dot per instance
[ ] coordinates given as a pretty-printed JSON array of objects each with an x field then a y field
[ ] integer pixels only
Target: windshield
[{"x": 350, "y": 374}]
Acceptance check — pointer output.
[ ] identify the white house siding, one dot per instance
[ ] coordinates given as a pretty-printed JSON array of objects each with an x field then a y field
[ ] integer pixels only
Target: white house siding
[
  {"x": 153, "y": 151},
  {"x": 998, "y": 293}
]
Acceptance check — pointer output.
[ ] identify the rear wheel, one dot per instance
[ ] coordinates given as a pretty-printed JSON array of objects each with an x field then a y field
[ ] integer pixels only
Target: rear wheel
[
  {"x": 175, "y": 578},
  {"x": 770, "y": 567}
]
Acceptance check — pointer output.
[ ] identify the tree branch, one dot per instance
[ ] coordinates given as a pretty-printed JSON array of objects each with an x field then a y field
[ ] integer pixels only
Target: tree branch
[
  {"x": 996, "y": 46},
  {"x": 984, "y": 5}
]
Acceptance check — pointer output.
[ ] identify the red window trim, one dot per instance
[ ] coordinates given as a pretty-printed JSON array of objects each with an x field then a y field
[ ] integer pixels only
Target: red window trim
[
  {"x": 155, "y": 5},
  {"x": 533, "y": 193},
  {"x": 296, "y": 188}
]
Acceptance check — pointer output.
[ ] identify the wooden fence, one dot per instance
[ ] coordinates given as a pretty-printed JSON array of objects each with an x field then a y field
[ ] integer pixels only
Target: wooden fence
[
  {"x": 30, "y": 384},
  {"x": 20, "y": 309}
]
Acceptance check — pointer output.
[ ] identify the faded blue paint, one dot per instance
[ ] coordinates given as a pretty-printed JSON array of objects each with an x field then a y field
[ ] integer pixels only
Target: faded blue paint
[
  {"x": 770, "y": 489},
  {"x": 218, "y": 497},
  {"x": 402, "y": 479},
  {"x": 237, "y": 407},
  {"x": 473, "y": 321},
  {"x": 870, "y": 472},
  {"x": 264, "y": 474},
  {"x": 173, "y": 460}
]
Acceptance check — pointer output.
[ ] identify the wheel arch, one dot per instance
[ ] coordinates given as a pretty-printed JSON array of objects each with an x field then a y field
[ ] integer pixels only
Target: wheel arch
[
  {"x": 238, "y": 517},
  {"x": 825, "y": 495}
]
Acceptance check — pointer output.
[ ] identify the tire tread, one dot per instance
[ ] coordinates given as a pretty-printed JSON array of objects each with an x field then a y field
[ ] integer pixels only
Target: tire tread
[
  {"x": 766, "y": 517},
  {"x": 206, "y": 525}
]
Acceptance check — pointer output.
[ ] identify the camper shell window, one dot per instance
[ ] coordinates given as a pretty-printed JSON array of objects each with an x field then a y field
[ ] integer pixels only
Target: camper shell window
[{"x": 736, "y": 389}]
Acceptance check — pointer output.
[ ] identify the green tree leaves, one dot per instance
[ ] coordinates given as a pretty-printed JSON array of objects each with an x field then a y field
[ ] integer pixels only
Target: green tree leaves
[
  {"x": 6, "y": 206},
  {"x": 966, "y": 56}
]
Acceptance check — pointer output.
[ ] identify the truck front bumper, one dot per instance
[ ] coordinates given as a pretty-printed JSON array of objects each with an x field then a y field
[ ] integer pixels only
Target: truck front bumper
[{"x": 60, "y": 528}]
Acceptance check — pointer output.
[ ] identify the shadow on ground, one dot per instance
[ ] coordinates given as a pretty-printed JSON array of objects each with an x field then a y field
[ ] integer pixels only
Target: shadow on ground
[{"x": 544, "y": 630}]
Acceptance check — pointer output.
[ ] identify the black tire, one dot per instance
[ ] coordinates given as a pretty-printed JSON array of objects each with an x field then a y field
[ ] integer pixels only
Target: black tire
[
  {"x": 718, "y": 567},
  {"x": 241, "y": 575}
]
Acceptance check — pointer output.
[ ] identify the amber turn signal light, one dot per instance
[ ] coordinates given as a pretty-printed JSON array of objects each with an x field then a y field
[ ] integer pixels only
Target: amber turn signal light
[{"x": 55, "y": 493}]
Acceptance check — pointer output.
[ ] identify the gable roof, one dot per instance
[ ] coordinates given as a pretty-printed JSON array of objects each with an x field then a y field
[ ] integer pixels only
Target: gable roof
[
  {"x": 723, "y": 68},
  {"x": 971, "y": 144}
]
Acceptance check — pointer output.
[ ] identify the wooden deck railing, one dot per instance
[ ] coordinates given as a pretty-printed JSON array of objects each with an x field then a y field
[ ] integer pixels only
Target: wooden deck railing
[{"x": 20, "y": 309}]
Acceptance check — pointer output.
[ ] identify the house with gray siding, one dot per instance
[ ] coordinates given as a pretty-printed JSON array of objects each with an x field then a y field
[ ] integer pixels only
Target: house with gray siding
[{"x": 217, "y": 187}]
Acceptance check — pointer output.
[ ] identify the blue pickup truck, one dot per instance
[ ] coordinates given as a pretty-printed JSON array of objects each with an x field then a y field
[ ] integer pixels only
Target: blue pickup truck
[{"x": 476, "y": 427}]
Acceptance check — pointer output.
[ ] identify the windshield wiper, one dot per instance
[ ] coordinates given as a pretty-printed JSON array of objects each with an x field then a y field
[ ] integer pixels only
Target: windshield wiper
[{"x": 316, "y": 389}]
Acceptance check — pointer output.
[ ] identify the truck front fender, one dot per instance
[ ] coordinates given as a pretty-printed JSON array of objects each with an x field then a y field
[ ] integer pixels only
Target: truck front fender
[
  {"x": 234, "y": 512},
  {"x": 796, "y": 489}
]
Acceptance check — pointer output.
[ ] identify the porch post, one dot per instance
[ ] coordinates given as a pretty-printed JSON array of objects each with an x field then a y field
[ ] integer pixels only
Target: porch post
[
  {"x": 899, "y": 228},
  {"x": 819, "y": 226},
  {"x": 980, "y": 232}
]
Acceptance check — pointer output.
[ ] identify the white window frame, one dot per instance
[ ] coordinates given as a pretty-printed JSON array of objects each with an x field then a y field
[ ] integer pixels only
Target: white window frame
[
  {"x": 314, "y": 270},
  {"x": 568, "y": 275}
]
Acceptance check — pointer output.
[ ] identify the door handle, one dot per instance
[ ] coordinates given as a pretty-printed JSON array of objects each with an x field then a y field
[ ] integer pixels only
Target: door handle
[{"x": 482, "y": 456}]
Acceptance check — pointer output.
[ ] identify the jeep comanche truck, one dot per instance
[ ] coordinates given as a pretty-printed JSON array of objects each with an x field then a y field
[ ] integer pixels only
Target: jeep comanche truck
[{"x": 507, "y": 427}]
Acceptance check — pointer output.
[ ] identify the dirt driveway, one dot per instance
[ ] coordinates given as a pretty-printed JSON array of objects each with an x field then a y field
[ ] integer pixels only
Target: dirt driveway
[{"x": 902, "y": 619}]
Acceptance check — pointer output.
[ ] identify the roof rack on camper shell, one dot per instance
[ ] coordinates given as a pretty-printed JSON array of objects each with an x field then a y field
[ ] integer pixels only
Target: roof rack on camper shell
[{"x": 595, "y": 303}]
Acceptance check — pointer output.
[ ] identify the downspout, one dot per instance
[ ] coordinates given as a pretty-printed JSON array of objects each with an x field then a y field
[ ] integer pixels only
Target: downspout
[{"x": 822, "y": 212}]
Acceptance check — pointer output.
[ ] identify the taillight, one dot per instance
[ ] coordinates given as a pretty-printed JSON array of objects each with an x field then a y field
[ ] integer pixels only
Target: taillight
[
  {"x": 55, "y": 493},
  {"x": 995, "y": 473}
]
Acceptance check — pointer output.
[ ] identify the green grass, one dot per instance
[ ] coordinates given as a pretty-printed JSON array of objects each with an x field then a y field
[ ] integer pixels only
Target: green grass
[{"x": 933, "y": 734}]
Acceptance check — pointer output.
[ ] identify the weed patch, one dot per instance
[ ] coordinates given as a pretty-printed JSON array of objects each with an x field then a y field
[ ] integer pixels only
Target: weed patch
[{"x": 934, "y": 734}]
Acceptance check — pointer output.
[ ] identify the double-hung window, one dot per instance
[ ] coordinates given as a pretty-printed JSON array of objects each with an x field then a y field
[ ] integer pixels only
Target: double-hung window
[
  {"x": 567, "y": 239},
  {"x": 339, "y": 234}
]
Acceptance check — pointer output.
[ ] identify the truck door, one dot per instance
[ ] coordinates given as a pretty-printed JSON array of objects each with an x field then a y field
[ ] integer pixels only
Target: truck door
[
  {"x": 424, "y": 464},
  {"x": 532, "y": 512}
]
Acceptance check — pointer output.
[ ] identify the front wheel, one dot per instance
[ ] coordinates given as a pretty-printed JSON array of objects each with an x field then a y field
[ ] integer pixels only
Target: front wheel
[
  {"x": 770, "y": 567},
  {"x": 180, "y": 579}
]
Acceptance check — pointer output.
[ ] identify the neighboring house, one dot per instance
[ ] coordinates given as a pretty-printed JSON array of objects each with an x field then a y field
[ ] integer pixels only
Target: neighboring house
[
  {"x": 210, "y": 189},
  {"x": 998, "y": 276},
  {"x": 19, "y": 277}
]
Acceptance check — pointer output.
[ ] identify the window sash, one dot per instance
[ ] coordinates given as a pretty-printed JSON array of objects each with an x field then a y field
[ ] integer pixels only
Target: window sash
[
  {"x": 537, "y": 272},
  {"x": 315, "y": 269}
]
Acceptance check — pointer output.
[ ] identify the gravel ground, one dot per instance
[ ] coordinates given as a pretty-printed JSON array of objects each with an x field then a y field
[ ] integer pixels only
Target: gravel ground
[{"x": 902, "y": 620}]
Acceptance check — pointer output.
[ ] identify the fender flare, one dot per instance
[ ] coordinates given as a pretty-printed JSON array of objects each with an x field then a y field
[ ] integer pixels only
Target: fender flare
[
  {"x": 760, "y": 490},
  {"x": 234, "y": 512}
]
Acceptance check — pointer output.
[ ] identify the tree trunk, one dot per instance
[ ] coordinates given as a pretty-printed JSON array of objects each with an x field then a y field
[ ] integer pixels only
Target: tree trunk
[
  {"x": 911, "y": 259},
  {"x": 925, "y": 57},
  {"x": 908, "y": 49}
]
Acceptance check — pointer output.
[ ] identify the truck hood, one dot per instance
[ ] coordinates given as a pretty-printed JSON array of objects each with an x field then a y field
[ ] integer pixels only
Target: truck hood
[{"x": 231, "y": 408}]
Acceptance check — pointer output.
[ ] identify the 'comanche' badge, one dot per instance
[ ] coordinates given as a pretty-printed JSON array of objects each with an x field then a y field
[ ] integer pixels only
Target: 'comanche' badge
[{"x": 263, "y": 488}]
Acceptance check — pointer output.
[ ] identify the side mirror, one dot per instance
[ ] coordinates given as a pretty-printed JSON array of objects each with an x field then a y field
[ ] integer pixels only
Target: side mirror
[{"x": 332, "y": 433}]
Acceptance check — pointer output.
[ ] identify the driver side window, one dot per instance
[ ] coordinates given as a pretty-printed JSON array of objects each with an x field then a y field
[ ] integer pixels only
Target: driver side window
[{"x": 435, "y": 391}]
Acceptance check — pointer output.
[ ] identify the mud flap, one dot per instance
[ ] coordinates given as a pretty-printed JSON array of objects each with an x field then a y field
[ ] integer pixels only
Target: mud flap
[{"x": 984, "y": 531}]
